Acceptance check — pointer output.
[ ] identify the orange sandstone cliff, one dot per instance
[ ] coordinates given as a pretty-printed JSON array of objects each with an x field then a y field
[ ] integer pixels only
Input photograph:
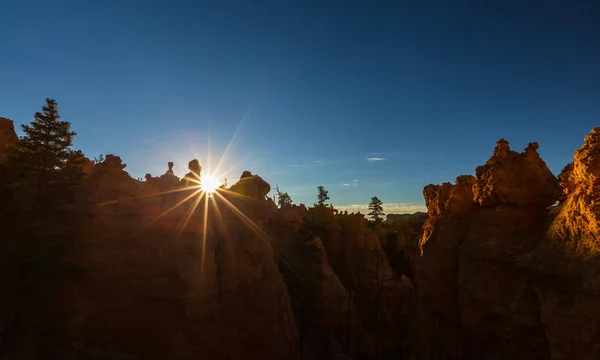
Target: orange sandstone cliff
[{"x": 503, "y": 274}]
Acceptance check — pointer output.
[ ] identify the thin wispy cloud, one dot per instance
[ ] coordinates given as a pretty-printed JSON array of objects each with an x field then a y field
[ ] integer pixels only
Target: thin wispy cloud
[
  {"x": 352, "y": 183},
  {"x": 387, "y": 184},
  {"x": 389, "y": 208},
  {"x": 372, "y": 159}
]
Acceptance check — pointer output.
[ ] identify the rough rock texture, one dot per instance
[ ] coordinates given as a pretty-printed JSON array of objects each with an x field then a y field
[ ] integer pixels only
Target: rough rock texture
[
  {"x": 473, "y": 302},
  {"x": 435, "y": 321},
  {"x": 8, "y": 136},
  {"x": 149, "y": 286},
  {"x": 578, "y": 217},
  {"x": 401, "y": 242},
  {"x": 510, "y": 178},
  {"x": 382, "y": 299},
  {"x": 325, "y": 313},
  {"x": 567, "y": 263}
]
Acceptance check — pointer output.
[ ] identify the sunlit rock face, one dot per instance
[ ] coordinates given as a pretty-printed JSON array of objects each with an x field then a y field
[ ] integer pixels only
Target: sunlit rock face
[
  {"x": 578, "y": 216},
  {"x": 197, "y": 282},
  {"x": 8, "y": 136},
  {"x": 510, "y": 178},
  {"x": 473, "y": 301},
  {"x": 567, "y": 262}
]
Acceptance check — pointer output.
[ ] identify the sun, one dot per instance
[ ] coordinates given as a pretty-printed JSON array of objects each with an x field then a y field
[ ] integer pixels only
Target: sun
[{"x": 209, "y": 183}]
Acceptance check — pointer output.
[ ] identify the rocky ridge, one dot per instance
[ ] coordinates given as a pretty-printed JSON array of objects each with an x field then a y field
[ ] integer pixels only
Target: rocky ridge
[
  {"x": 502, "y": 273},
  {"x": 505, "y": 265}
]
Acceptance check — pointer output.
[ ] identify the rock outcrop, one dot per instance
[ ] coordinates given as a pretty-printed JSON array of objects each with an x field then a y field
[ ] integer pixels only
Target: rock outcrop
[
  {"x": 252, "y": 186},
  {"x": 154, "y": 280},
  {"x": 472, "y": 299},
  {"x": 8, "y": 136},
  {"x": 382, "y": 299},
  {"x": 505, "y": 265},
  {"x": 521, "y": 180},
  {"x": 401, "y": 242},
  {"x": 567, "y": 262},
  {"x": 327, "y": 320},
  {"x": 166, "y": 181}
]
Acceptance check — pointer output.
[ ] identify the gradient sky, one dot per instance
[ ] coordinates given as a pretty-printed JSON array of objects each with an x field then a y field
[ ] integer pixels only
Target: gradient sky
[{"x": 316, "y": 88}]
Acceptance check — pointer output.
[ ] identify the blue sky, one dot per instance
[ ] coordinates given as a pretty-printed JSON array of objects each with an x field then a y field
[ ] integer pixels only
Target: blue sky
[{"x": 316, "y": 88}]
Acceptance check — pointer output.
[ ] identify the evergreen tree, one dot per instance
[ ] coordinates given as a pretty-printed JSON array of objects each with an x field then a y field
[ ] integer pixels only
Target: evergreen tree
[
  {"x": 376, "y": 209},
  {"x": 41, "y": 218},
  {"x": 45, "y": 149},
  {"x": 283, "y": 198},
  {"x": 322, "y": 196},
  {"x": 42, "y": 165}
]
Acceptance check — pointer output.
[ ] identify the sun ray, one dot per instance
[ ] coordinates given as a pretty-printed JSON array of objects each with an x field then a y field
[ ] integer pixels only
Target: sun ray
[
  {"x": 229, "y": 146},
  {"x": 216, "y": 208},
  {"x": 235, "y": 134},
  {"x": 238, "y": 195},
  {"x": 181, "y": 202},
  {"x": 191, "y": 212},
  {"x": 204, "y": 230},
  {"x": 112, "y": 202},
  {"x": 230, "y": 169},
  {"x": 243, "y": 216},
  {"x": 264, "y": 237}
]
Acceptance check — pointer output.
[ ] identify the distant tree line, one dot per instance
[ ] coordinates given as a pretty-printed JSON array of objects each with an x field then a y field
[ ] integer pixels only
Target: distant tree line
[{"x": 375, "y": 207}]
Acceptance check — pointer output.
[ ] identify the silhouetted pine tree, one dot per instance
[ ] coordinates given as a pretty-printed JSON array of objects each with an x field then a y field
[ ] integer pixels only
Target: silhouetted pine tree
[
  {"x": 41, "y": 221},
  {"x": 42, "y": 163},
  {"x": 376, "y": 209},
  {"x": 322, "y": 196},
  {"x": 283, "y": 198}
]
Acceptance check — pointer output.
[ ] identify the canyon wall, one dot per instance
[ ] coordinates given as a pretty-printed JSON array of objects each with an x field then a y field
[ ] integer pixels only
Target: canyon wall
[
  {"x": 144, "y": 278},
  {"x": 505, "y": 265},
  {"x": 504, "y": 274}
]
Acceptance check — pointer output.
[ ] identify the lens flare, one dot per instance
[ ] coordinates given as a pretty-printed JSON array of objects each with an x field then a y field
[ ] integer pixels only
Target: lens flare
[{"x": 209, "y": 184}]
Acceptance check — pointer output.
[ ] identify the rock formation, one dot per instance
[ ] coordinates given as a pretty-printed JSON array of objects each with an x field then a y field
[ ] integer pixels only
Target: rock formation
[
  {"x": 252, "y": 186},
  {"x": 193, "y": 177},
  {"x": 567, "y": 262},
  {"x": 8, "y": 136},
  {"x": 401, "y": 242},
  {"x": 491, "y": 282},
  {"x": 505, "y": 265},
  {"x": 325, "y": 313},
  {"x": 152, "y": 280},
  {"x": 168, "y": 180},
  {"x": 356, "y": 256},
  {"x": 521, "y": 180}
]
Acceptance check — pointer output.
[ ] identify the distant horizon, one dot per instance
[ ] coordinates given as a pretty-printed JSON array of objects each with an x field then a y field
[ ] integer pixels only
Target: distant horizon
[
  {"x": 388, "y": 207},
  {"x": 366, "y": 99}
]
